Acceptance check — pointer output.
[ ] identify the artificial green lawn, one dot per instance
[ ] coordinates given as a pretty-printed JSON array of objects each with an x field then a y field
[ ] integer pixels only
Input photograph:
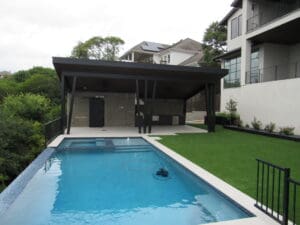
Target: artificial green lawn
[{"x": 230, "y": 155}]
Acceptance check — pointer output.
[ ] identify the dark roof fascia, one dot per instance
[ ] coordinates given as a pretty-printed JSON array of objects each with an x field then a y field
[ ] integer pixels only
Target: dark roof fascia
[
  {"x": 237, "y": 3},
  {"x": 225, "y": 19},
  {"x": 129, "y": 67},
  {"x": 228, "y": 54}
]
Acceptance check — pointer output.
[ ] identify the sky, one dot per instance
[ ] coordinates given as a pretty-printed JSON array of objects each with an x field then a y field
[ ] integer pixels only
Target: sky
[{"x": 33, "y": 31}]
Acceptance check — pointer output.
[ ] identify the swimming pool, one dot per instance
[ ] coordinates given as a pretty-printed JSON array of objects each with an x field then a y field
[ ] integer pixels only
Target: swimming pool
[{"x": 117, "y": 181}]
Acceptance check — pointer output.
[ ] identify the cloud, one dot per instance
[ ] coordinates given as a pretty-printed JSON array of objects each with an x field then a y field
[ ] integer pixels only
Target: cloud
[{"x": 33, "y": 31}]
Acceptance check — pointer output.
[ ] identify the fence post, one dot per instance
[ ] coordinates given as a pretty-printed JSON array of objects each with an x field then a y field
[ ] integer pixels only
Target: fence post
[{"x": 286, "y": 196}]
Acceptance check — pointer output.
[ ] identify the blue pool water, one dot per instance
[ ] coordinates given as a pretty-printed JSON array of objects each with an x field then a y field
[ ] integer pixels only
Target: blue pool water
[{"x": 114, "y": 182}]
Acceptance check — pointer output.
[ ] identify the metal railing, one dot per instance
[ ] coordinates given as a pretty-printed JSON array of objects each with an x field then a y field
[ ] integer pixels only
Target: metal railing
[
  {"x": 272, "y": 11},
  {"x": 274, "y": 194},
  {"x": 276, "y": 72},
  {"x": 232, "y": 83},
  {"x": 52, "y": 129},
  {"x": 294, "y": 185}
]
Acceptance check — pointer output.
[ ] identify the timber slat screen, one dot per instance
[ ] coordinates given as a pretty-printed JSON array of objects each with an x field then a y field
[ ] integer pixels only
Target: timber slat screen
[{"x": 276, "y": 192}]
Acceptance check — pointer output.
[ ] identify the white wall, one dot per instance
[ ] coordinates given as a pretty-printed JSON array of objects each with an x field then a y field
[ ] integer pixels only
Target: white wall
[
  {"x": 177, "y": 57},
  {"x": 156, "y": 58},
  {"x": 275, "y": 101}
]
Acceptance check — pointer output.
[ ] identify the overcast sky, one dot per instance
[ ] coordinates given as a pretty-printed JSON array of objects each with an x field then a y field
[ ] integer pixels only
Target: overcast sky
[{"x": 32, "y": 31}]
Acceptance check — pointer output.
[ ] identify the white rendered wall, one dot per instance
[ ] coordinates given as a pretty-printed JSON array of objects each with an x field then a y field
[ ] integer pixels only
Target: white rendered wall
[
  {"x": 178, "y": 57},
  {"x": 156, "y": 58},
  {"x": 275, "y": 101}
]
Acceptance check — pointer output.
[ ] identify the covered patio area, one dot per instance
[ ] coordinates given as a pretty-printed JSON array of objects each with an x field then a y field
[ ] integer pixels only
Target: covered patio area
[{"x": 144, "y": 97}]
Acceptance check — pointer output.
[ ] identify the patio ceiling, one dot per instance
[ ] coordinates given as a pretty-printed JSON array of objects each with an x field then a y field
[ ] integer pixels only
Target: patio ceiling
[{"x": 107, "y": 76}]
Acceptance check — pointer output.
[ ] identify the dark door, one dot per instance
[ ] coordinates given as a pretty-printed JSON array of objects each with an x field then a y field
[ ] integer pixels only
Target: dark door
[{"x": 96, "y": 112}]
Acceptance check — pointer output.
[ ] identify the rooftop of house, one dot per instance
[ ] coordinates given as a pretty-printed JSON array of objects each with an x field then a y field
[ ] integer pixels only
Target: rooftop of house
[
  {"x": 188, "y": 45},
  {"x": 146, "y": 47}
]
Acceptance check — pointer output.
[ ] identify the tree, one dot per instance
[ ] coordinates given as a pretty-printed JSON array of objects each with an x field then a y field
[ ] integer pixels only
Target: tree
[
  {"x": 214, "y": 42},
  {"x": 98, "y": 48},
  {"x": 46, "y": 85},
  {"x": 27, "y": 106},
  {"x": 20, "y": 142},
  {"x": 8, "y": 87},
  {"x": 23, "y": 75}
]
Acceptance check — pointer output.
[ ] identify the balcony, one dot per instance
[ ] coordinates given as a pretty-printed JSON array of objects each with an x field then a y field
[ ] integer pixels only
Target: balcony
[
  {"x": 269, "y": 11},
  {"x": 273, "y": 73}
]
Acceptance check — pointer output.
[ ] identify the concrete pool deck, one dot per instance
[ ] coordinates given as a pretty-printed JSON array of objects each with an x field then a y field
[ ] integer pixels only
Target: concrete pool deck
[{"x": 125, "y": 132}]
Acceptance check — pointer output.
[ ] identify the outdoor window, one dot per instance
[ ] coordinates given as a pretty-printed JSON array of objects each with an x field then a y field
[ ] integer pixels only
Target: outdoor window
[
  {"x": 236, "y": 27},
  {"x": 169, "y": 58},
  {"x": 254, "y": 68},
  {"x": 130, "y": 56},
  {"x": 234, "y": 72}
]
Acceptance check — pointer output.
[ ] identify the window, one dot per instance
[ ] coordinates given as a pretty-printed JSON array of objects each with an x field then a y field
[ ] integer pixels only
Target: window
[
  {"x": 236, "y": 27},
  {"x": 233, "y": 77},
  {"x": 169, "y": 58},
  {"x": 129, "y": 56},
  {"x": 254, "y": 68}
]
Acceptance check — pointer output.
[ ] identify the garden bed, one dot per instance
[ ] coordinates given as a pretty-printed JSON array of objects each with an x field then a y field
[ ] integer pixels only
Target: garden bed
[{"x": 264, "y": 133}]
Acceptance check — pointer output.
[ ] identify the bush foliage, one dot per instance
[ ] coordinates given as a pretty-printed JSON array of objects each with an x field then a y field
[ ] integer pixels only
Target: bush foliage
[
  {"x": 256, "y": 124},
  {"x": 28, "y": 99}
]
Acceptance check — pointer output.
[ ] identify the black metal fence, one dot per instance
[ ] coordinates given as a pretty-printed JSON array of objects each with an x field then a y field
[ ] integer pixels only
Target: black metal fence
[
  {"x": 276, "y": 192},
  {"x": 52, "y": 129}
]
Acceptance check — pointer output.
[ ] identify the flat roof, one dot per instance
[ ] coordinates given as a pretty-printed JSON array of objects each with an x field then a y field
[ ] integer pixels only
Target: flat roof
[{"x": 115, "y": 76}]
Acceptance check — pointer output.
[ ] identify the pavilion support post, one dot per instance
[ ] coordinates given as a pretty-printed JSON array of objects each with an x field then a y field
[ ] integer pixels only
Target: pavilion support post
[
  {"x": 210, "y": 106},
  {"x": 138, "y": 106},
  {"x": 184, "y": 111},
  {"x": 213, "y": 106},
  {"x": 145, "y": 107},
  {"x": 71, "y": 104},
  {"x": 151, "y": 107},
  {"x": 62, "y": 105}
]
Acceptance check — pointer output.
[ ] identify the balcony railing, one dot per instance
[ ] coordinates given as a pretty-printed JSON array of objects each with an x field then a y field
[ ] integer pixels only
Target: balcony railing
[
  {"x": 276, "y": 72},
  {"x": 273, "y": 11}
]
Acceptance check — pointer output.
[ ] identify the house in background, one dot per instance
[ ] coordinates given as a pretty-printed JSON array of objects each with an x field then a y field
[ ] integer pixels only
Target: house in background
[
  {"x": 4, "y": 74},
  {"x": 263, "y": 60},
  {"x": 185, "y": 52}
]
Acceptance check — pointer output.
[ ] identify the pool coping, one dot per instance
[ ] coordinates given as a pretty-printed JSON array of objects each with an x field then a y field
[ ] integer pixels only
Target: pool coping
[
  {"x": 12, "y": 191},
  {"x": 8, "y": 196}
]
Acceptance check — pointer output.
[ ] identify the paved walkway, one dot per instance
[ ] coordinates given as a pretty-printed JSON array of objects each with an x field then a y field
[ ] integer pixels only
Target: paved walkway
[{"x": 124, "y": 132}]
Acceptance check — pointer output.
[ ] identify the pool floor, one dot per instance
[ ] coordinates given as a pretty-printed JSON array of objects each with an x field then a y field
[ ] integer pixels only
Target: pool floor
[{"x": 114, "y": 181}]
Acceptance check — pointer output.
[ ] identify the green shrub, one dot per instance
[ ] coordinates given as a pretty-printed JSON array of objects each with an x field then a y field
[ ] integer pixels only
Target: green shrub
[
  {"x": 239, "y": 122},
  {"x": 223, "y": 114},
  {"x": 21, "y": 76},
  {"x": 45, "y": 85},
  {"x": 20, "y": 140},
  {"x": 7, "y": 87},
  {"x": 231, "y": 106},
  {"x": 270, "y": 127},
  {"x": 27, "y": 106},
  {"x": 287, "y": 130},
  {"x": 247, "y": 125},
  {"x": 256, "y": 124}
]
